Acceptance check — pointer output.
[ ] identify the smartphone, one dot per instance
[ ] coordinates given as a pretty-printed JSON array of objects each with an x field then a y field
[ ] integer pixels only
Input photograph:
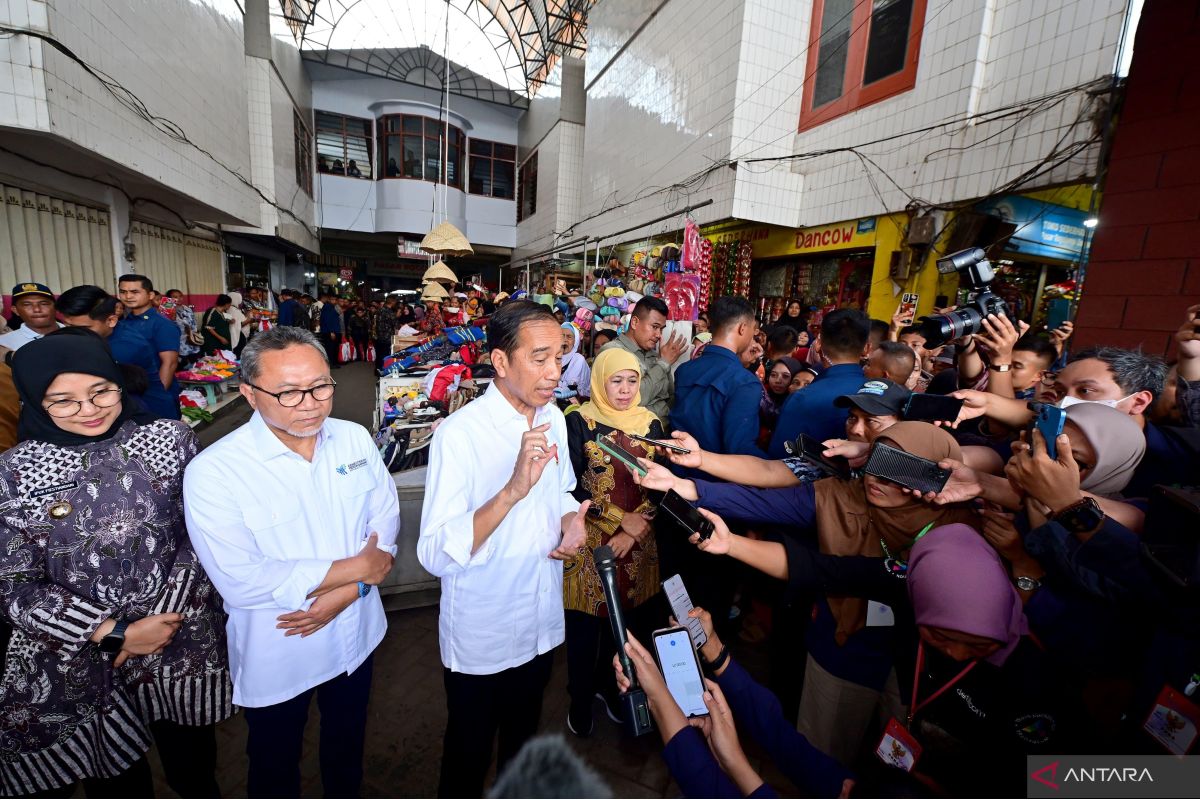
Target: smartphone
[
  {"x": 813, "y": 451},
  {"x": 1050, "y": 421},
  {"x": 686, "y": 515},
  {"x": 681, "y": 604},
  {"x": 914, "y": 472},
  {"x": 620, "y": 453},
  {"x": 681, "y": 670},
  {"x": 1058, "y": 311},
  {"x": 932, "y": 407},
  {"x": 908, "y": 306},
  {"x": 664, "y": 443}
]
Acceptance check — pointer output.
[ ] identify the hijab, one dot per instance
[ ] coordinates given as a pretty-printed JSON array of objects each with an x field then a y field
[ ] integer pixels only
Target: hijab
[
  {"x": 37, "y": 364},
  {"x": 635, "y": 419},
  {"x": 772, "y": 402},
  {"x": 848, "y": 525},
  {"x": 956, "y": 582},
  {"x": 1118, "y": 442},
  {"x": 575, "y": 369}
]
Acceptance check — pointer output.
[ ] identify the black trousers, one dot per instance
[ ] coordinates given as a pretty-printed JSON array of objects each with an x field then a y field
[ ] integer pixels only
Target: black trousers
[
  {"x": 189, "y": 759},
  {"x": 331, "y": 341},
  {"x": 479, "y": 707},
  {"x": 276, "y": 738},
  {"x": 590, "y": 647},
  {"x": 383, "y": 349}
]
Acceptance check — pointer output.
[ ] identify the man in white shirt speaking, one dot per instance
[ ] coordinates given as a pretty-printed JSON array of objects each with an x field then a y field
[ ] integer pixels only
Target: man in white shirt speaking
[
  {"x": 497, "y": 523},
  {"x": 294, "y": 517}
]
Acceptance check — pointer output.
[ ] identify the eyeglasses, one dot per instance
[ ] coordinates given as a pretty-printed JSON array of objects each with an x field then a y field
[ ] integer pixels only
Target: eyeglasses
[
  {"x": 291, "y": 398},
  {"x": 105, "y": 398},
  {"x": 1048, "y": 378}
]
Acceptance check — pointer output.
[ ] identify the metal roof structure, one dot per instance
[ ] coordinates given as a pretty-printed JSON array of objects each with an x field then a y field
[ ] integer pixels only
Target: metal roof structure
[{"x": 512, "y": 45}]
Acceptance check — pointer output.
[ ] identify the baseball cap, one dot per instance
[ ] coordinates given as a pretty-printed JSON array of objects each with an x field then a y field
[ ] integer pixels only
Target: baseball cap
[
  {"x": 879, "y": 398},
  {"x": 22, "y": 289}
]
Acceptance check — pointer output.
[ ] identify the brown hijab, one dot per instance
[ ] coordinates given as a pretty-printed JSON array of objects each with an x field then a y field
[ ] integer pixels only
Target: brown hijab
[{"x": 847, "y": 525}]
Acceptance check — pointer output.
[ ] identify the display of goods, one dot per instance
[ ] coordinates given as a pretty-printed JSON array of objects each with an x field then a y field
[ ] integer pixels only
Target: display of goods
[
  {"x": 211, "y": 369},
  {"x": 704, "y": 270},
  {"x": 683, "y": 296},
  {"x": 741, "y": 282},
  {"x": 691, "y": 246}
]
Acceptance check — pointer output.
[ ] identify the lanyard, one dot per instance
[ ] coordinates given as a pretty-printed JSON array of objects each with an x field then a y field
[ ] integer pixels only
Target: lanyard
[
  {"x": 888, "y": 553},
  {"x": 917, "y": 679}
]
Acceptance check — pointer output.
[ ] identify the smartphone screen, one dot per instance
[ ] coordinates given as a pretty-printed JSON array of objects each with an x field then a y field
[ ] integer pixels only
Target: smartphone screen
[
  {"x": 681, "y": 670},
  {"x": 932, "y": 407},
  {"x": 681, "y": 604},
  {"x": 687, "y": 516},
  {"x": 908, "y": 306}
]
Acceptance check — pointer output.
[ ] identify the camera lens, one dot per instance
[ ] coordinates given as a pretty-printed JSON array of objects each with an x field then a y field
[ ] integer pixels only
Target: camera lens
[{"x": 938, "y": 329}]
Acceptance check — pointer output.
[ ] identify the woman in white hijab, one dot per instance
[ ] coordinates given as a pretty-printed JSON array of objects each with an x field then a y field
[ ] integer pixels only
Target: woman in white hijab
[
  {"x": 575, "y": 369},
  {"x": 238, "y": 324}
]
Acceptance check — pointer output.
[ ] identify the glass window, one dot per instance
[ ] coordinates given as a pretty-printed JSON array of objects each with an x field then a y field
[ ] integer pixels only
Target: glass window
[
  {"x": 304, "y": 158},
  {"x": 492, "y": 175},
  {"x": 527, "y": 199},
  {"x": 412, "y": 147},
  {"x": 343, "y": 145},
  {"x": 860, "y": 51}
]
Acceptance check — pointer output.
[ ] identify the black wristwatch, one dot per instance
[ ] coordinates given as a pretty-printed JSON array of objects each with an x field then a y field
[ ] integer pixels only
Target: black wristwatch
[
  {"x": 1082, "y": 516},
  {"x": 115, "y": 640}
]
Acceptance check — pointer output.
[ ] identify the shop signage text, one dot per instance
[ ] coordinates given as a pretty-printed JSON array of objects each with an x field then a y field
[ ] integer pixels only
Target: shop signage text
[
  {"x": 827, "y": 237},
  {"x": 770, "y": 241}
]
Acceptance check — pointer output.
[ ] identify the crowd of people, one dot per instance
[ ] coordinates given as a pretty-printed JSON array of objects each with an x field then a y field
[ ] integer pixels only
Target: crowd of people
[{"x": 918, "y": 640}]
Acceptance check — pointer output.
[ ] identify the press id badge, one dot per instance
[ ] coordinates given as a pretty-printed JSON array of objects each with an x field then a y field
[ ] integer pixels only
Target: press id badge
[
  {"x": 1173, "y": 721},
  {"x": 898, "y": 748}
]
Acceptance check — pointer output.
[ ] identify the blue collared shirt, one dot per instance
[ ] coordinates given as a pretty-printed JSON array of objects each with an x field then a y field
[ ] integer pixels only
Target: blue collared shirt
[
  {"x": 130, "y": 347},
  {"x": 811, "y": 410},
  {"x": 716, "y": 401},
  {"x": 160, "y": 332}
]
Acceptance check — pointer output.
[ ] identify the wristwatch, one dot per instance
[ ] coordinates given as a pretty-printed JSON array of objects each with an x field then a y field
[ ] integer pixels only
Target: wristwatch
[
  {"x": 115, "y": 640},
  {"x": 1083, "y": 516},
  {"x": 1000, "y": 367},
  {"x": 1027, "y": 584},
  {"x": 364, "y": 589}
]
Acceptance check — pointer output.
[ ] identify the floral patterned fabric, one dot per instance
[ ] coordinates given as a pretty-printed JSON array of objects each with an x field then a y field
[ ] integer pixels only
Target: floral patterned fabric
[
  {"x": 115, "y": 546},
  {"x": 609, "y": 486}
]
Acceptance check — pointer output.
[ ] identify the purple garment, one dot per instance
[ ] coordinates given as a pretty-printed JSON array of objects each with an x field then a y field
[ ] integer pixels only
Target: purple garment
[
  {"x": 114, "y": 547},
  {"x": 957, "y": 582}
]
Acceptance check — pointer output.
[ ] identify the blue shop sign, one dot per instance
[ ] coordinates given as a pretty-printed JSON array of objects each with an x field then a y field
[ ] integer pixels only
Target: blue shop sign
[{"x": 1044, "y": 230}]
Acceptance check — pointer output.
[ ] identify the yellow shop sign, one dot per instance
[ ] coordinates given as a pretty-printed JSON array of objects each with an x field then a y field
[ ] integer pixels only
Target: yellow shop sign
[{"x": 768, "y": 241}]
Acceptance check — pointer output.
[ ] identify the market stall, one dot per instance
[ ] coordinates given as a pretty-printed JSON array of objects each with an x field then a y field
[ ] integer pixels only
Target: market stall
[{"x": 207, "y": 385}]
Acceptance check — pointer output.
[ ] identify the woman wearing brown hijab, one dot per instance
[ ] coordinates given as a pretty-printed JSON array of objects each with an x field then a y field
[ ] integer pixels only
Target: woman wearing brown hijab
[{"x": 849, "y": 673}]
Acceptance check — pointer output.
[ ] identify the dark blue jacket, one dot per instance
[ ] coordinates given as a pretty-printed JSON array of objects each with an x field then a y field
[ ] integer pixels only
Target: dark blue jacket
[
  {"x": 760, "y": 715},
  {"x": 811, "y": 410},
  {"x": 287, "y": 312},
  {"x": 716, "y": 401},
  {"x": 330, "y": 321}
]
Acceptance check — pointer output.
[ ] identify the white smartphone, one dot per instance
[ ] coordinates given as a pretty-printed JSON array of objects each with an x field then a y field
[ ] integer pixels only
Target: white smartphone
[
  {"x": 681, "y": 670},
  {"x": 681, "y": 604}
]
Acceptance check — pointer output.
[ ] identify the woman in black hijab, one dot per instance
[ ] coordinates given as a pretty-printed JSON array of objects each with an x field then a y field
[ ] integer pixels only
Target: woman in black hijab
[
  {"x": 119, "y": 632},
  {"x": 794, "y": 316}
]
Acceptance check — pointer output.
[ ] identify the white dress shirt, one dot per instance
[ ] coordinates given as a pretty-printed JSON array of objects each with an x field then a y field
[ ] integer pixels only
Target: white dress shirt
[
  {"x": 267, "y": 525},
  {"x": 502, "y": 606}
]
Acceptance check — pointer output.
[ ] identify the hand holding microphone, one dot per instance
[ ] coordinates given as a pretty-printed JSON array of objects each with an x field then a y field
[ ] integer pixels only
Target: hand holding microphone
[{"x": 633, "y": 699}]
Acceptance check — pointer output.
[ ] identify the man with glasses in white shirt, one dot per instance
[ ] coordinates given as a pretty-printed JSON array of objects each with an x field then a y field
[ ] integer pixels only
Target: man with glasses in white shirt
[
  {"x": 294, "y": 517},
  {"x": 497, "y": 522}
]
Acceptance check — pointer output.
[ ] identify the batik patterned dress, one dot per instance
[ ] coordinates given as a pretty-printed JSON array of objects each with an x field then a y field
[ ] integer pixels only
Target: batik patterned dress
[{"x": 115, "y": 546}]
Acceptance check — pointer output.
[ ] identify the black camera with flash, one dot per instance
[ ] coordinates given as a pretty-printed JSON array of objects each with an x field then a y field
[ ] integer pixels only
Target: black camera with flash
[{"x": 976, "y": 271}]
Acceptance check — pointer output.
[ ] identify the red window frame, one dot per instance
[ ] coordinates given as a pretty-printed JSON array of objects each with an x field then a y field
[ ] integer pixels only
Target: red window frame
[{"x": 856, "y": 95}]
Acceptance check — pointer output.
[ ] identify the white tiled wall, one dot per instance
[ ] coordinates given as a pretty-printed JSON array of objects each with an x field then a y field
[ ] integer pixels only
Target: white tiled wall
[
  {"x": 970, "y": 62},
  {"x": 182, "y": 58}
]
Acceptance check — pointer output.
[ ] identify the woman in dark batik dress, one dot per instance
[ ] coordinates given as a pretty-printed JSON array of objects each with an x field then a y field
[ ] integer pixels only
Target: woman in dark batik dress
[
  {"x": 93, "y": 546},
  {"x": 615, "y": 411}
]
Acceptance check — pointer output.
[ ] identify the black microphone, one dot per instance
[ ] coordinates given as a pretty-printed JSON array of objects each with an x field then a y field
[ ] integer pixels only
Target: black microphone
[{"x": 633, "y": 701}]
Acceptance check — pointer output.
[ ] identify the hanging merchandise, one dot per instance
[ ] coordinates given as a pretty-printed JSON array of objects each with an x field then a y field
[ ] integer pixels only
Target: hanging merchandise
[
  {"x": 683, "y": 296},
  {"x": 741, "y": 285},
  {"x": 691, "y": 246},
  {"x": 704, "y": 270}
]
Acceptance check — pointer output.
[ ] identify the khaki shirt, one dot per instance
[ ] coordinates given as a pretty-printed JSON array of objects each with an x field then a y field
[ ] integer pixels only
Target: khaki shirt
[
  {"x": 10, "y": 408},
  {"x": 658, "y": 383}
]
